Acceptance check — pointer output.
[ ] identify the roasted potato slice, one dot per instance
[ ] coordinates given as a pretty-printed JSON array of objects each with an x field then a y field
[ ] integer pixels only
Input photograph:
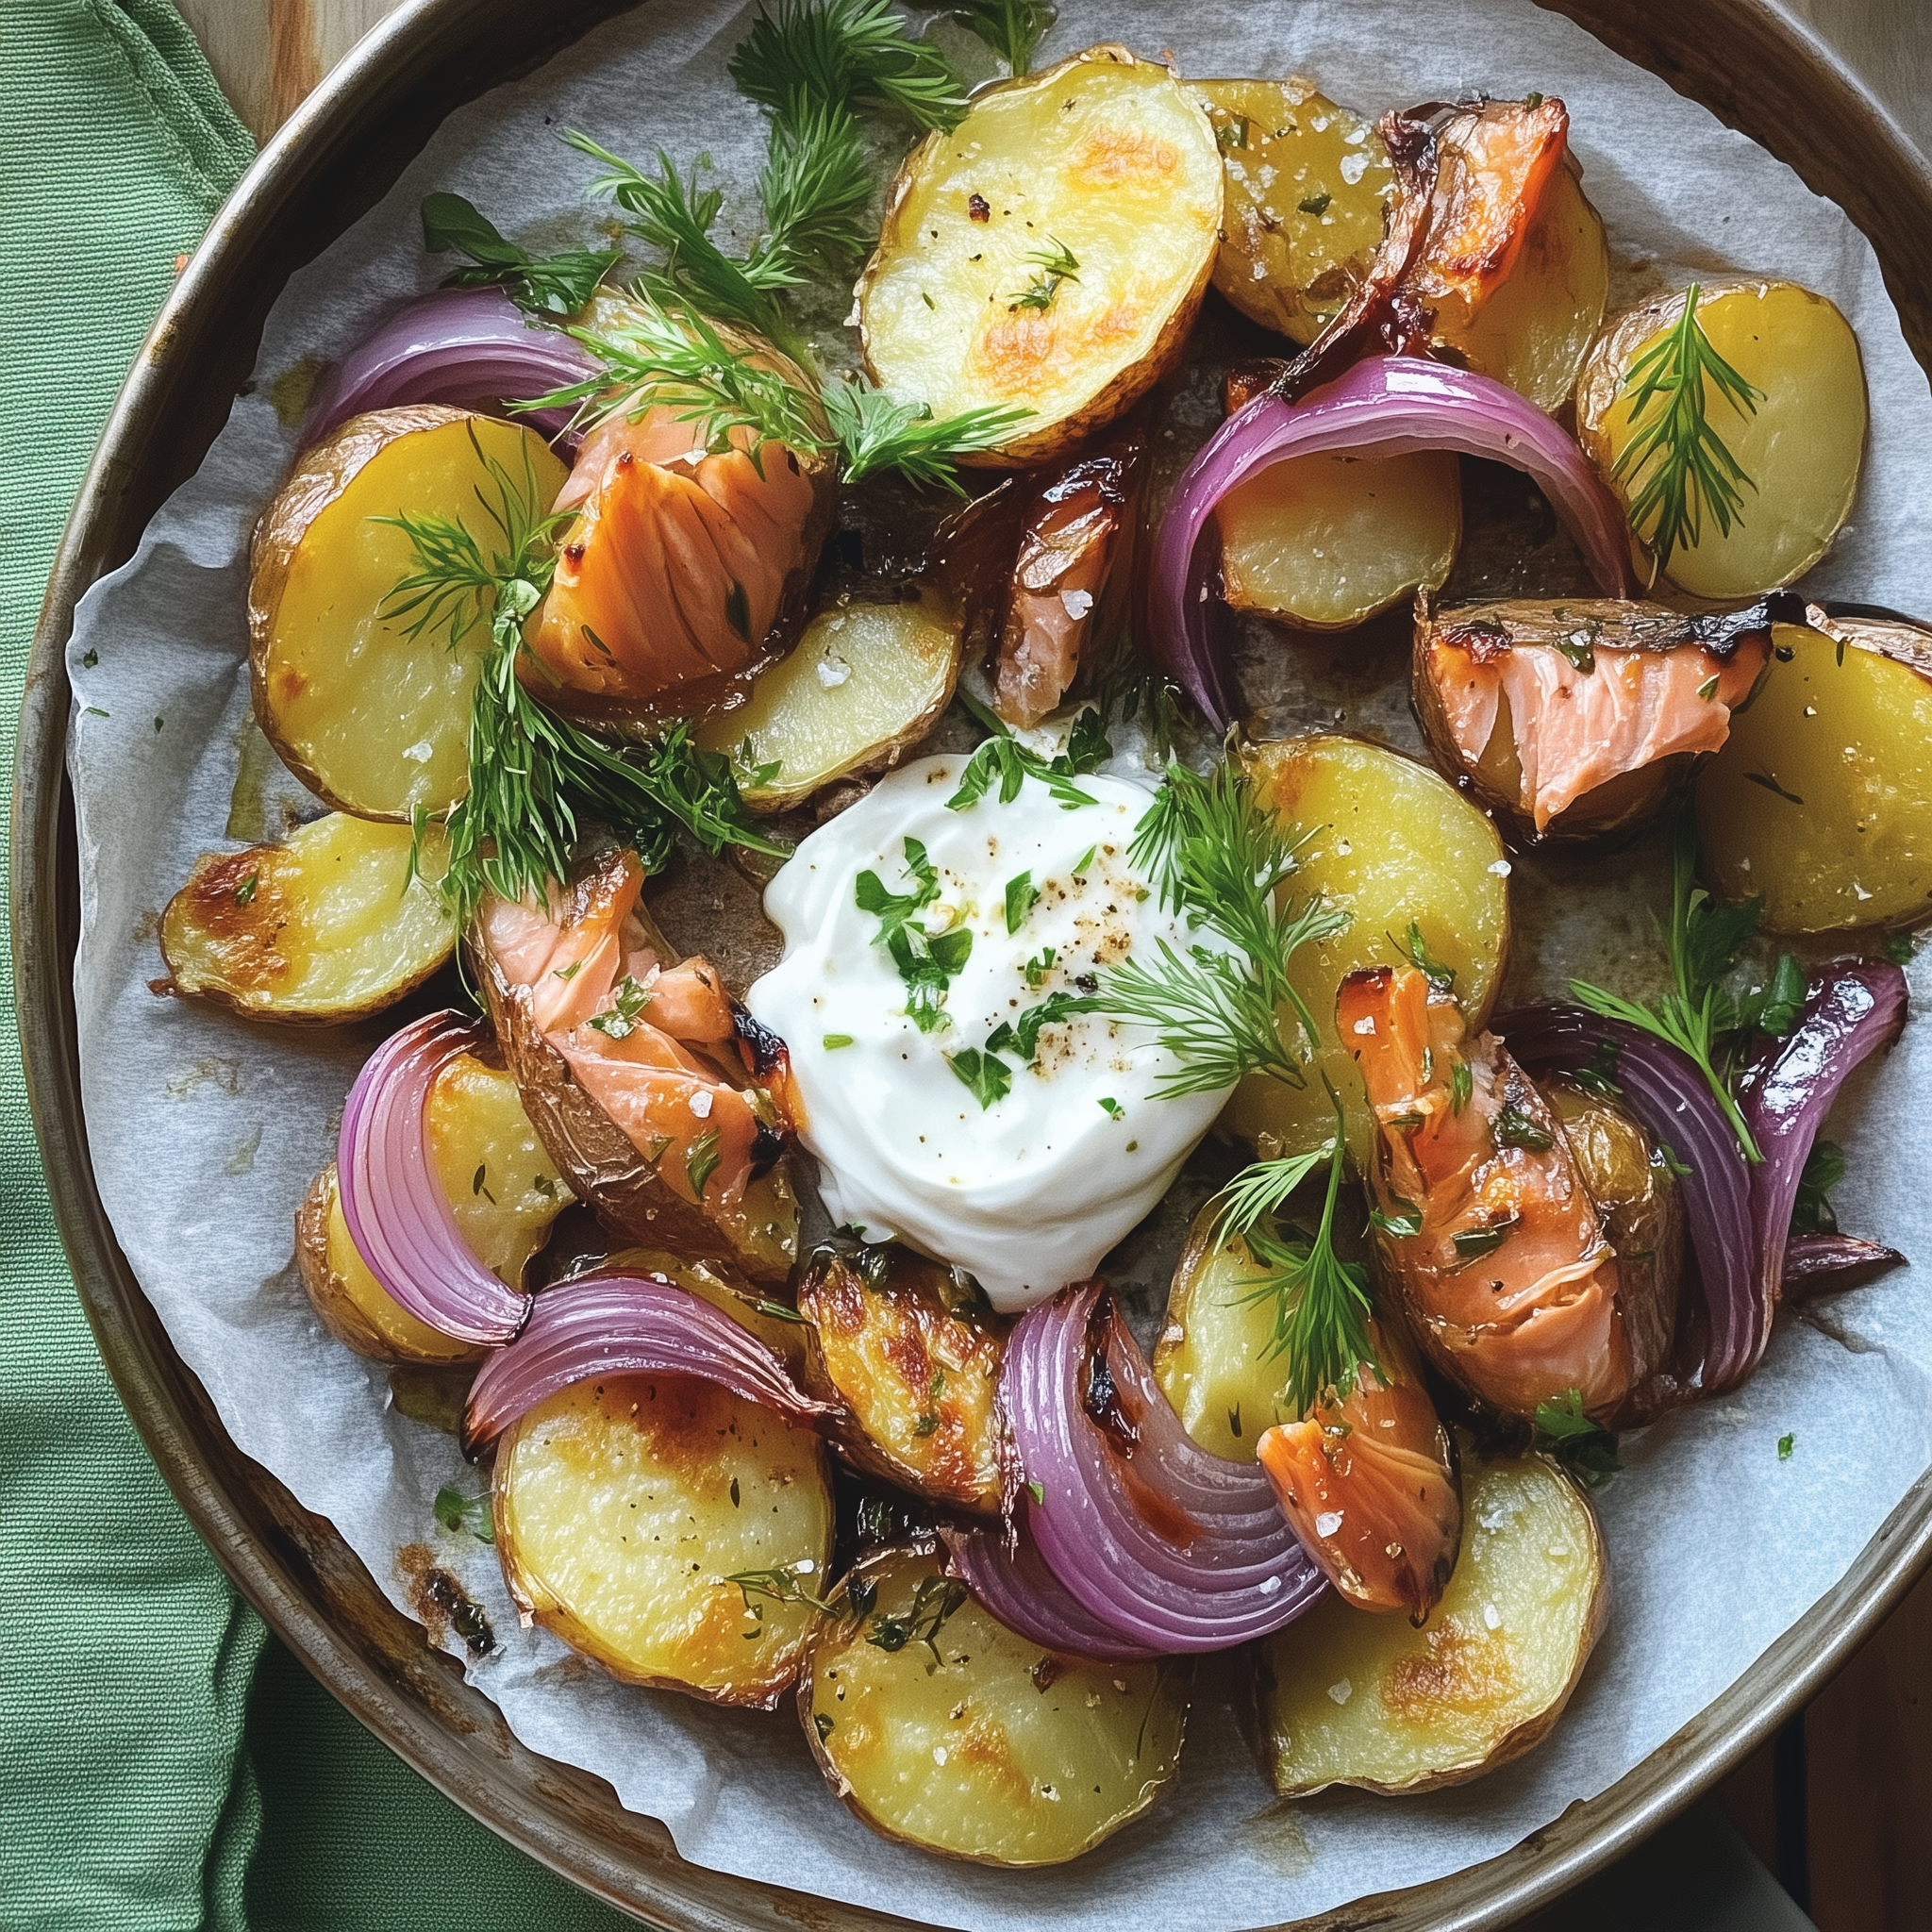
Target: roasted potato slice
[
  {"x": 374, "y": 720},
  {"x": 1536, "y": 326},
  {"x": 1797, "y": 433},
  {"x": 1411, "y": 858},
  {"x": 1347, "y": 1699},
  {"x": 669, "y": 1530},
  {"x": 943, "y": 1728},
  {"x": 501, "y": 1186},
  {"x": 1104, "y": 162},
  {"x": 1212, "y": 1356},
  {"x": 1584, "y": 719},
  {"x": 1307, "y": 190},
  {"x": 331, "y": 926},
  {"x": 915, "y": 1363},
  {"x": 865, "y": 683},
  {"x": 1325, "y": 541},
  {"x": 1822, "y": 800}
]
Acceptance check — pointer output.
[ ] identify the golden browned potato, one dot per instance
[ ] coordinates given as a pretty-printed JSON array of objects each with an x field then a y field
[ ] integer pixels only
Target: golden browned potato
[
  {"x": 1822, "y": 801},
  {"x": 1325, "y": 541},
  {"x": 501, "y": 1186},
  {"x": 1409, "y": 857},
  {"x": 1342, "y": 1698},
  {"x": 1791, "y": 418},
  {"x": 943, "y": 1728},
  {"x": 669, "y": 1530},
  {"x": 1049, "y": 253},
  {"x": 1537, "y": 324},
  {"x": 331, "y": 926},
  {"x": 1584, "y": 718},
  {"x": 1212, "y": 1358},
  {"x": 1307, "y": 190},
  {"x": 374, "y": 721},
  {"x": 864, "y": 684},
  {"x": 915, "y": 1364}
]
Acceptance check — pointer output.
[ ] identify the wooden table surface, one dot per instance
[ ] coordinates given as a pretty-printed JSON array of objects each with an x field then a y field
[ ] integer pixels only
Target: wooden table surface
[{"x": 1840, "y": 1807}]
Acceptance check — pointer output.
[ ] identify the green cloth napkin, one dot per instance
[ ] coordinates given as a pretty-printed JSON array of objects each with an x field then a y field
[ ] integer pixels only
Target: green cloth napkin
[{"x": 127, "y": 1797}]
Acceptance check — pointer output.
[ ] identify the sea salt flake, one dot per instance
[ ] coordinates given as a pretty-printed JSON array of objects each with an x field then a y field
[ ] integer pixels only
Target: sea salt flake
[
  {"x": 1076, "y": 603},
  {"x": 1354, "y": 167},
  {"x": 833, "y": 671},
  {"x": 701, "y": 1104},
  {"x": 1492, "y": 1617},
  {"x": 1342, "y": 1691},
  {"x": 1328, "y": 1523}
]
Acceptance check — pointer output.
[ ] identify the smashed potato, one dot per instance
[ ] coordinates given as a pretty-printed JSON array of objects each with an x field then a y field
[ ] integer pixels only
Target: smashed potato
[
  {"x": 1325, "y": 541},
  {"x": 669, "y": 1530},
  {"x": 865, "y": 683},
  {"x": 1342, "y": 1698},
  {"x": 915, "y": 1365},
  {"x": 1047, "y": 254},
  {"x": 374, "y": 720},
  {"x": 1822, "y": 800},
  {"x": 1798, "y": 435},
  {"x": 331, "y": 926},
  {"x": 1308, "y": 190},
  {"x": 1411, "y": 858},
  {"x": 943, "y": 1728}
]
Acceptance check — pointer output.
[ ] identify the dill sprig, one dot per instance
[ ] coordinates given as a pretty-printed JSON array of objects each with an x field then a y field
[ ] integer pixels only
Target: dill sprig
[
  {"x": 1057, "y": 264},
  {"x": 1703, "y": 941},
  {"x": 546, "y": 285},
  {"x": 876, "y": 434},
  {"x": 535, "y": 777},
  {"x": 655, "y": 355},
  {"x": 846, "y": 51},
  {"x": 1013, "y": 28},
  {"x": 815, "y": 187},
  {"x": 1321, "y": 1302},
  {"x": 1677, "y": 462}
]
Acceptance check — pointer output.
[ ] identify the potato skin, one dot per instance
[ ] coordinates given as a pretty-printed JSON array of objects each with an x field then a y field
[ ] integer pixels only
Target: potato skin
[
  {"x": 1041, "y": 443},
  {"x": 879, "y": 1350},
  {"x": 602, "y": 1167}
]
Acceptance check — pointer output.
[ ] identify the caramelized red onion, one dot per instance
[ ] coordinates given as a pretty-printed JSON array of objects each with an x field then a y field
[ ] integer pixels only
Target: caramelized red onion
[
  {"x": 1163, "y": 1546},
  {"x": 1820, "y": 1264},
  {"x": 473, "y": 347},
  {"x": 1384, "y": 405},
  {"x": 1018, "y": 1588},
  {"x": 617, "y": 1323},
  {"x": 397, "y": 1213}
]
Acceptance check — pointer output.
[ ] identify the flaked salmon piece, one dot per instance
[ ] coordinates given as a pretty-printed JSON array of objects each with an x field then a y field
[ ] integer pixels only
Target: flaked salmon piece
[
  {"x": 626, "y": 1021},
  {"x": 1487, "y": 1228},
  {"x": 1072, "y": 541},
  {"x": 678, "y": 560},
  {"x": 1494, "y": 163},
  {"x": 1370, "y": 1486}
]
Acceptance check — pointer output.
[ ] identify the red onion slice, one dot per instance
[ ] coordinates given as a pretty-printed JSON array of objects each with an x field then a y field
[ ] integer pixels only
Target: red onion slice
[
  {"x": 624, "y": 1324},
  {"x": 397, "y": 1213},
  {"x": 1851, "y": 1011},
  {"x": 1385, "y": 406},
  {"x": 1672, "y": 1099},
  {"x": 1162, "y": 1544},
  {"x": 1822, "y": 1264},
  {"x": 1018, "y": 1588},
  {"x": 465, "y": 347}
]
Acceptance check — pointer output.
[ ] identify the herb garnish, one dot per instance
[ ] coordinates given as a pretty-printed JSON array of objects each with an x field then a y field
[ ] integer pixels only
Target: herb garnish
[
  {"x": 543, "y": 285},
  {"x": 1515, "y": 1129},
  {"x": 1785, "y": 1445},
  {"x": 245, "y": 893},
  {"x": 925, "y": 961},
  {"x": 845, "y": 50},
  {"x": 1013, "y": 28},
  {"x": 780, "y": 1587},
  {"x": 935, "y": 1600},
  {"x": 457, "y": 1513},
  {"x": 1811, "y": 1209},
  {"x": 1057, "y": 263},
  {"x": 532, "y": 774},
  {"x": 1690, "y": 469},
  {"x": 628, "y": 1000},
  {"x": 1022, "y": 1036},
  {"x": 1704, "y": 940},
  {"x": 1002, "y": 759},
  {"x": 701, "y": 1161},
  {"x": 876, "y": 433},
  {"x": 1586, "y": 1449},
  {"x": 986, "y": 1077},
  {"x": 1023, "y": 896},
  {"x": 1441, "y": 976}
]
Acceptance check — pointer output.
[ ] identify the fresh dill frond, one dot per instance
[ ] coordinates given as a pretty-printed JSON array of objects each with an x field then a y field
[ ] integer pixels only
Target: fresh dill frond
[
  {"x": 1261, "y": 1191},
  {"x": 1013, "y": 28},
  {"x": 843, "y": 52},
  {"x": 547, "y": 285},
  {"x": 534, "y": 777},
  {"x": 876, "y": 434},
  {"x": 815, "y": 187},
  {"x": 1321, "y": 1302},
  {"x": 1705, "y": 938},
  {"x": 1057, "y": 264},
  {"x": 654, "y": 355},
  {"x": 1678, "y": 463},
  {"x": 675, "y": 216}
]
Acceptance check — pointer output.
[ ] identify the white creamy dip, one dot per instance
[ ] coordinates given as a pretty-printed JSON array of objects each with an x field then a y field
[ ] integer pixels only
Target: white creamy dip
[{"x": 1029, "y": 1192}]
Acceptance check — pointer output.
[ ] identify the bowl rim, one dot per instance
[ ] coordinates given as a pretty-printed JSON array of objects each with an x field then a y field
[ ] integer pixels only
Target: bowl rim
[{"x": 1741, "y": 58}]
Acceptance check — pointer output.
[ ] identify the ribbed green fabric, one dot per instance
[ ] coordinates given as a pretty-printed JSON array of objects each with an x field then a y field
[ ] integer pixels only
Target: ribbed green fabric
[{"x": 127, "y": 1658}]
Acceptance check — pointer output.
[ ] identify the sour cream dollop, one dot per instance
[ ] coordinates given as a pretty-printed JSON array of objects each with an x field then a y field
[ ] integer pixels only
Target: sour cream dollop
[{"x": 1029, "y": 1192}]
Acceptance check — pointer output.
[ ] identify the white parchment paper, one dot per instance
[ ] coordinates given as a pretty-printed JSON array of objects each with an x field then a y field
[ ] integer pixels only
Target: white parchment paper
[{"x": 205, "y": 1131}]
